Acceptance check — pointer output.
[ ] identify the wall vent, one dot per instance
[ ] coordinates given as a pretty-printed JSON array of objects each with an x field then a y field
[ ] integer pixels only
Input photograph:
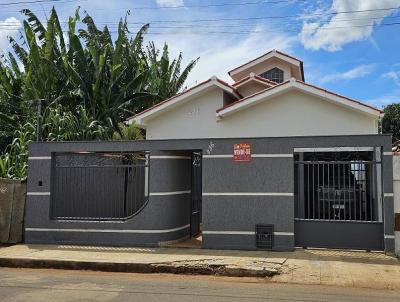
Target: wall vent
[{"x": 265, "y": 236}]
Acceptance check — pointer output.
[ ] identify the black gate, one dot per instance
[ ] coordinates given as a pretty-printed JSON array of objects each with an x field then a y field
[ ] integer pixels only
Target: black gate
[
  {"x": 195, "y": 208},
  {"x": 337, "y": 200},
  {"x": 99, "y": 185}
]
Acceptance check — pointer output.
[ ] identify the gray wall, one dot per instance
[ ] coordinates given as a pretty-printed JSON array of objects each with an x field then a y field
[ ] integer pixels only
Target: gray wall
[
  {"x": 236, "y": 196},
  {"x": 156, "y": 223}
]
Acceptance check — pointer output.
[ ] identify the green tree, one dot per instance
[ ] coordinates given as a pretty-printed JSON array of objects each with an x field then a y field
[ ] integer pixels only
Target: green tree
[
  {"x": 391, "y": 121},
  {"x": 14, "y": 163},
  {"x": 12, "y": 109},
  {"x": 128, "y": 132},
  {"x": 88, "y": 83},
  {"x": 166, "y": 77}
]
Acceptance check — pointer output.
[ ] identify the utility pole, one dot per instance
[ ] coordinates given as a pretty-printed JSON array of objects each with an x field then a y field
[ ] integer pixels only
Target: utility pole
[{"x": 38, "y": 120}]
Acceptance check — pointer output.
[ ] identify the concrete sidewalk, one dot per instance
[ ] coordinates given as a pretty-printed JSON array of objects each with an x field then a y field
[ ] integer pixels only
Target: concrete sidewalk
[{"x": 312, "y": 266}]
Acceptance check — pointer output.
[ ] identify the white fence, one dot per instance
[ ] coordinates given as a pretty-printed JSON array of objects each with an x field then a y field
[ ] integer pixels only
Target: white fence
[{"x": 396, "y": 190}]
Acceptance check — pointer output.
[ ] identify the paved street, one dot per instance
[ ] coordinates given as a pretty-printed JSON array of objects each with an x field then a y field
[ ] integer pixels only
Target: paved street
[{"x": 59, "y": 285}]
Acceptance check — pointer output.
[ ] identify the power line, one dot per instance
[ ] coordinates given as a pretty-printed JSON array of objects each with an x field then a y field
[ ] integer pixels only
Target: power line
[
  {"x": 38, "y": 2},
  {"x": 273, "y": 17},
  {"x": 215, "y": 5},
  {"x": 260, "y": 2},
  {"x": 277, "y": 22},
  {"x": 29, "y": 2},
  {"x": 261, "y": 31},
  {"x": 16, "y": 25}
]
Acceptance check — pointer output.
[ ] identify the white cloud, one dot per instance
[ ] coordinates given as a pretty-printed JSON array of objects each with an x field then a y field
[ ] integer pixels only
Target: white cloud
[
  {"x": 8, "y": 27},
  {"x": 392, "y": 96},
  {"x": 356, "y": 72},
  {"x": 170, "y": 3},
  {"x": 223, "y": 52},
  {"x": 334, "y": 32},
  {"x": 385, "y": 100},
  {"x": 393, "y": 75}
]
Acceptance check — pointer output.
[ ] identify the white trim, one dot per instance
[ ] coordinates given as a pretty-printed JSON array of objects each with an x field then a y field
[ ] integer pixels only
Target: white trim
[
  {"x": 293, "y": 84},
  {"x": 283, "y": 234},
  {"x": 388, "y": 194},
  {"x": 169, "y": 157},
  {"x": 140, "y": 118},
  {"x": 334, "y": 149},
  {"x": 169, "y": 193},
  {"x": 228, "y": 232},
  {"x": 253, "y": 155},
  {"x": 389, "y": 236},
  {"x": 388, "y": 153},
  {"x": 39, "y": 157},
  {"x": 38, "y": 194},
  {"x": 218, "y": 156},
  {"x": 108, "y": 231},
  {"x": 247, "y": 194},
  {"x": 272, "y": 155},
  {"x": 243, "y": 233}
]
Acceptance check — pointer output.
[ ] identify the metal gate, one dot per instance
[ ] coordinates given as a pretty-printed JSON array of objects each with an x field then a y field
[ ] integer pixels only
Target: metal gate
[
  {"x": 99, "y": 186},
  {"x": 195, "y": 208},
  {"x": 338, "y": 200}
]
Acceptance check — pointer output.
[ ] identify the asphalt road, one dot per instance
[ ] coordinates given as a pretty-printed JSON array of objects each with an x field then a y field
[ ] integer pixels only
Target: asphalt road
[{"x": 58, "y": 285}]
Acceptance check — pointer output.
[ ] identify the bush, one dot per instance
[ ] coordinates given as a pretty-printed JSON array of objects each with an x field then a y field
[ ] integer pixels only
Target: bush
[{"x": 14, "y": 163}]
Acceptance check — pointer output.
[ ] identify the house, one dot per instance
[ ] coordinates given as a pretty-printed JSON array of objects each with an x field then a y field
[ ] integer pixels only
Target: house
[
  {"x": 268, "y": 162},
  {"x": 268, "y": 99}
]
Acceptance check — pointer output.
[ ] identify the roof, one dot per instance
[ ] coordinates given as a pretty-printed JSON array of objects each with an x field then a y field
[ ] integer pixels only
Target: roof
[
  {"x": 268, "y": 54},
  {"x": 256, "y": 78},
  {"x": 171, "y": 102},
  {"x": 300, "y": 85}
]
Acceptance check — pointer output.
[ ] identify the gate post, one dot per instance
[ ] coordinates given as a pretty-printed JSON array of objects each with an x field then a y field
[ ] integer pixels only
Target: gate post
[{"x": 396, "y": 191}]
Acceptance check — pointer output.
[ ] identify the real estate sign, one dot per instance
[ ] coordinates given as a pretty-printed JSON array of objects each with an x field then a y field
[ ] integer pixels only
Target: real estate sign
[{"x": 242, "y": 152}]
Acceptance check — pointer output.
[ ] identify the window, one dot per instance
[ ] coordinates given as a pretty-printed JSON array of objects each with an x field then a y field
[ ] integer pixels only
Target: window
[
  {"x": 99, "y": 185},
  {"x": 274, "y": 74}
]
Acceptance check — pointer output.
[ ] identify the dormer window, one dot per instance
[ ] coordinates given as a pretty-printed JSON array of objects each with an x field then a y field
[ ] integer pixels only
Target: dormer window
[{"x": 274, "y": 74}]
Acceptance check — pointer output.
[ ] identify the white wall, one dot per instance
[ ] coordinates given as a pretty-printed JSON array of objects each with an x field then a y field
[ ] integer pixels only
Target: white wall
[
  {"x": 193, "y": 119},
  {"x": 290, "y": 114},
  {"x": 396, "y": 191}
]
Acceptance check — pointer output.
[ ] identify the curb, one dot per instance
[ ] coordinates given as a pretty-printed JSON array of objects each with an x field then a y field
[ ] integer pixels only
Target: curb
[{"x": 149, "y": 268}]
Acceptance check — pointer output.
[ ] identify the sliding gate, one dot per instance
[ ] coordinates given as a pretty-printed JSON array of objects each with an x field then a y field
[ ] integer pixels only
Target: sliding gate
[{"x": 338, "y": 200}]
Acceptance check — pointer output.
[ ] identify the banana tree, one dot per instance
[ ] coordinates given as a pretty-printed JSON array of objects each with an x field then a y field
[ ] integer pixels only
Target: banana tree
[{"x": 166, "y": 77}]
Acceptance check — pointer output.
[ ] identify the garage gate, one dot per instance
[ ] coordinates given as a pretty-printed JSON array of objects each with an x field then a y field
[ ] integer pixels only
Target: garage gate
[{"x": 338, "y": 198}]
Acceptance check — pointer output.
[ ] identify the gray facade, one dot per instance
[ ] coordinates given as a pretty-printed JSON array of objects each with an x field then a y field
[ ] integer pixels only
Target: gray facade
[{"x": 236, "y": 196}]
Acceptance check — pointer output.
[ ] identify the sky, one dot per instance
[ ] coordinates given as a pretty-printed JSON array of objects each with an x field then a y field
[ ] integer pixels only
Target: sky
[{"x": 350, "y": 47}]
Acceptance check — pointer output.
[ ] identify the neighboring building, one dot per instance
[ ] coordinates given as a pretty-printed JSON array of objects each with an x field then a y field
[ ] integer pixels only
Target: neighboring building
[{"x": 269, "y": 162}]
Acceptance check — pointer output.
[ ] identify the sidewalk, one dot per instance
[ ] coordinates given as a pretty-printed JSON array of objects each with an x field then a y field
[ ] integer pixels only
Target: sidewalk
[{"x": 312, "y": 266}]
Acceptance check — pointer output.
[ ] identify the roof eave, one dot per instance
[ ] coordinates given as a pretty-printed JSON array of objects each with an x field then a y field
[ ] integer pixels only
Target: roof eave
[
  {"x": 273, "y": 91},
  {"x": 289, "y": 59}
]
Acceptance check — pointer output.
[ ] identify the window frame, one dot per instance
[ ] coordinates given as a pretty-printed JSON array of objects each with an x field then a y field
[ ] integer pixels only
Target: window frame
[{"x": 274, "y": 74}]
